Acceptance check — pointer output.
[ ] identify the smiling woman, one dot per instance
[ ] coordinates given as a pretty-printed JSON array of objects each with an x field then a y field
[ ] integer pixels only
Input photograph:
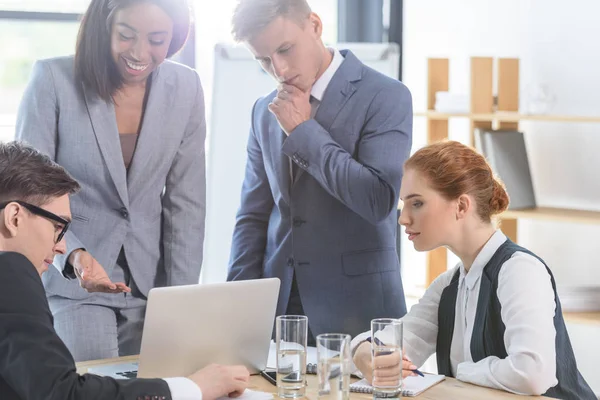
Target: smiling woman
[
  {"x": 129, "y": 125},
  {"x": 143, "y": 33},
  {"x": 22, "y": 43}
]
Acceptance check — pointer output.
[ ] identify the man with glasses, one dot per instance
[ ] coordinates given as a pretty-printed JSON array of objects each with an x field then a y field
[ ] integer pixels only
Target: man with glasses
[
  {"x": 61, "y": 224},
  {"x": 93, "y": 280},
  {"x": 34, "y": 363}
]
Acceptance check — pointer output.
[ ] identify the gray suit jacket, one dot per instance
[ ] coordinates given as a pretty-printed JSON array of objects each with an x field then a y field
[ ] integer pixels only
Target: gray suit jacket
[
  {"x": 155, "y": 210},
  {"x": 335, "y": 225}
]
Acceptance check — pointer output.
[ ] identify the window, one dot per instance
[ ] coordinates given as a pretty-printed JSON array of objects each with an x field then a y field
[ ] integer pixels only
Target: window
[
  {"x": 31, "y": 30},
  {"x": 23, "y": 43},
  {"x": 54, "y": 6}
]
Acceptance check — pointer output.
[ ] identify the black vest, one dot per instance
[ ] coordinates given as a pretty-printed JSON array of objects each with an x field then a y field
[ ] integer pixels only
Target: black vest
[{"x": 488, "y": 328}]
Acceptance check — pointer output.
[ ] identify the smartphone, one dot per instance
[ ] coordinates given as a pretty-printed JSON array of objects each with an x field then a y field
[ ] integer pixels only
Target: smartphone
[{"x": 271, "y": 376}]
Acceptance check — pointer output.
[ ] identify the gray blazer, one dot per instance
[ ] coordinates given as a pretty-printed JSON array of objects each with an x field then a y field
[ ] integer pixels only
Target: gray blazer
[
  {"x": 335, "y": 225},
  {"x": 156, "y": 210}
]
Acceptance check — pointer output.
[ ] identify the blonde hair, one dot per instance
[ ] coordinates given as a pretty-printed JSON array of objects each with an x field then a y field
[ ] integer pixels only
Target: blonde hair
[{"x": 252, "y": 16}]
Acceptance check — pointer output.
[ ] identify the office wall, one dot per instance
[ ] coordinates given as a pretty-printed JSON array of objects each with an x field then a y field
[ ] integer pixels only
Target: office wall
[{"x": 555, "y": 41}]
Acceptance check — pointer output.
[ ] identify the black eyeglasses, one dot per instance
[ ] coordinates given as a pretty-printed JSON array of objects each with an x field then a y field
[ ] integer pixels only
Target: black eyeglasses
[{"x": 43, "y": 213}]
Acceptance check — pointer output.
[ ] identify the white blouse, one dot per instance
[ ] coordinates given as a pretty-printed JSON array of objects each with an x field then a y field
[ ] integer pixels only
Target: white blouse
[{"x": 528, "y": 306}]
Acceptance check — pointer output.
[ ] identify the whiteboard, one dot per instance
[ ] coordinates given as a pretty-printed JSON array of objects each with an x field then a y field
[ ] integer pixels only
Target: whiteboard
[{"x": 238, "y": 82}]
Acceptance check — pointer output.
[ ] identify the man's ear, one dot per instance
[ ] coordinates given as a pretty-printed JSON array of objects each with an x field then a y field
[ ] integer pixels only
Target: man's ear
[
  {"x": 316, "y": 25},
  {"x": 463, "y": 205},
  {"x": 11, "y": 217}
]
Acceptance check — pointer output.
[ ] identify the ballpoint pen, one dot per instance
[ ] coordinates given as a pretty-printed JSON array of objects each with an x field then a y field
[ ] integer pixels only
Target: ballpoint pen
[{"x": 380, "y": 343}]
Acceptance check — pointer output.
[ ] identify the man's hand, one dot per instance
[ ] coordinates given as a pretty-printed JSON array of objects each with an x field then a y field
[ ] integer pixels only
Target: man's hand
[
  {"x": 291, "y": 107},
  {"x": 386, "y": 367},
  {"x": 92, "y": 277},
  {"x": 219, "y": 380}
]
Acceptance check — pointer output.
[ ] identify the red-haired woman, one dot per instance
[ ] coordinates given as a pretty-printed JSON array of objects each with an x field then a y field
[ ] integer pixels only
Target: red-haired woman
[{"x": 495, "y": 319}]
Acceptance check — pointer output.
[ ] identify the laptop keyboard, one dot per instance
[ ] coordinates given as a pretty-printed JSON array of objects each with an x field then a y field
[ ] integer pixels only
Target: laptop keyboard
[{"x": 127, "y": 374}]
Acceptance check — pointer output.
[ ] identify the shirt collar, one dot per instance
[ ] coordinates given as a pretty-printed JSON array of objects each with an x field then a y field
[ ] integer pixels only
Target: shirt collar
[
  {"x": 318, "y": 89},
  {"x": 484, "y": 256}
]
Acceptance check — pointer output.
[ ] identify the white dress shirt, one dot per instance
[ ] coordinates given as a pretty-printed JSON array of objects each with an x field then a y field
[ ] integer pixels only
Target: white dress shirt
[
  {"x": 183, "y": 389},
  {"x": 319, "y": 87},
  {"x": 528, "y": 306}
]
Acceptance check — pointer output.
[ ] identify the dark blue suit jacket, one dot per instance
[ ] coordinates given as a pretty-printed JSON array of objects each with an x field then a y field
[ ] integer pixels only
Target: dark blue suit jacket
[
  {"x": 335, "y": 225},
  {"x": 35, "y": 363}
]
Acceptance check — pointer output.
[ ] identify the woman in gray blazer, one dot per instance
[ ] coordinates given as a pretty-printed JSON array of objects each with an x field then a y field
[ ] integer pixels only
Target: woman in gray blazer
[{"x": 129, "y": 126}]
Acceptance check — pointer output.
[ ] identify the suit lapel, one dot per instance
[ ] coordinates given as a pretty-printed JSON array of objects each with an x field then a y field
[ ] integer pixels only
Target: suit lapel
[
  {"x": 104, "y": 123},
  {"x": 281, "y": 161},
  {"x": 338, "y": 92},
  {"x": 160, "y": 98}
]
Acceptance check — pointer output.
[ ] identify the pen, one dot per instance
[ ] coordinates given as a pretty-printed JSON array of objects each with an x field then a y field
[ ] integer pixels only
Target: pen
[{"x": 380, "y": 343}]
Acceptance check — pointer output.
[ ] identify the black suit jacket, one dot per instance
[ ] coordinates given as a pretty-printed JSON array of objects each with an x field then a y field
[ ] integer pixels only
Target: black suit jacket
[{"x": 34, "y": 362}]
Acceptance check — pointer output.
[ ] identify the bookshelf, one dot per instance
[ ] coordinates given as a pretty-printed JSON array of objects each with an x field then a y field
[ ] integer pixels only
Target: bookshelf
[
  {"x": 509, "y": 117},
  {"x": 503, "y": 115},
  {"x": 586, "y": 318},
  {"x": 555, "y": 214}
]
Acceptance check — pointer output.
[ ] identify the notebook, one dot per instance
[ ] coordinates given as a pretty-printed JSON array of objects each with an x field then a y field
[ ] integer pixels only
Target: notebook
[
  {"x": 311, "y": 358},
  {"x": 411, "y": 386},
  {"x": 251, "y": 395},
  {"x": 507, "y": 154}
]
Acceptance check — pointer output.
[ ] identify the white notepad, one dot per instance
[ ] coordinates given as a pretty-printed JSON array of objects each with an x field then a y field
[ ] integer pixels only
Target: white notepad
[
  {"x": 411, "y": 386},
  {"x": 251, "y": 395}
]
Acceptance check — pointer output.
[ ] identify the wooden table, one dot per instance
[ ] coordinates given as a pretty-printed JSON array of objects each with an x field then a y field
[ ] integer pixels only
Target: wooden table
[{"x": 449, "y": 389}]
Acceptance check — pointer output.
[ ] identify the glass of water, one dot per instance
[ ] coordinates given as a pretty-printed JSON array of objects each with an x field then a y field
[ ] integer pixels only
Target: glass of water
[
  {"x": 386, "y": 339},
  {"x": 333, "y": 366},
  {"x": 291, "y": 334}
]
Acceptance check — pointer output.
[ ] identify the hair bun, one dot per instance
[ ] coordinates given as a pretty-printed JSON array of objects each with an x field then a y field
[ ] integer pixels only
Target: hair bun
[{"x": 499, "y": 200}]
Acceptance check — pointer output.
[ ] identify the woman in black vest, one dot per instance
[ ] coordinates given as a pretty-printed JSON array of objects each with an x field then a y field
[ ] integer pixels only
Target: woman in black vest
[{"x": 494, "y": 320}]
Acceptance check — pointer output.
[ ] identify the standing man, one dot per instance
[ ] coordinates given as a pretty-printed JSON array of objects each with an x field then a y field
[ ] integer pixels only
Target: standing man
[{"x": 325, "y": 156}]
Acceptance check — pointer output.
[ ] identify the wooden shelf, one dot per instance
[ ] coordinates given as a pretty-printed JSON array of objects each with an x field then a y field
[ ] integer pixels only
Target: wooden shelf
[
  {"x": 507, "y": 117},
  {"x": 555, "y": 214},
  {"x": 590, "y": 318}
]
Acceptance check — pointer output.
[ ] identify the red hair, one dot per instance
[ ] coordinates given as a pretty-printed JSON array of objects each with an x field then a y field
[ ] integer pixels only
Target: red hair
[{"x": 453, "y": 169}]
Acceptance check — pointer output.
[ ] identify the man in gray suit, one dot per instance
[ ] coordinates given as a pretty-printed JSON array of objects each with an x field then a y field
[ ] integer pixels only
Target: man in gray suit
[{"x": 325, "y": 156}]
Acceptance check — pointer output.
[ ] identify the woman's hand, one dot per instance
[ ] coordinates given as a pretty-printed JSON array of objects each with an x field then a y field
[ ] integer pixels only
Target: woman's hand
[{"x": 384, "y": 370}]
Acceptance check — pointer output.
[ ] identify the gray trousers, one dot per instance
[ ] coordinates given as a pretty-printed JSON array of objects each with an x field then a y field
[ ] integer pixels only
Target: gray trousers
[{"x": 102, "y": 325}]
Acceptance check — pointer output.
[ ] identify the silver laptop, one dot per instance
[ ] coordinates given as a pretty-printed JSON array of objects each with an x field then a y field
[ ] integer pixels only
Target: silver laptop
[{"x": 188, "y": 327}]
